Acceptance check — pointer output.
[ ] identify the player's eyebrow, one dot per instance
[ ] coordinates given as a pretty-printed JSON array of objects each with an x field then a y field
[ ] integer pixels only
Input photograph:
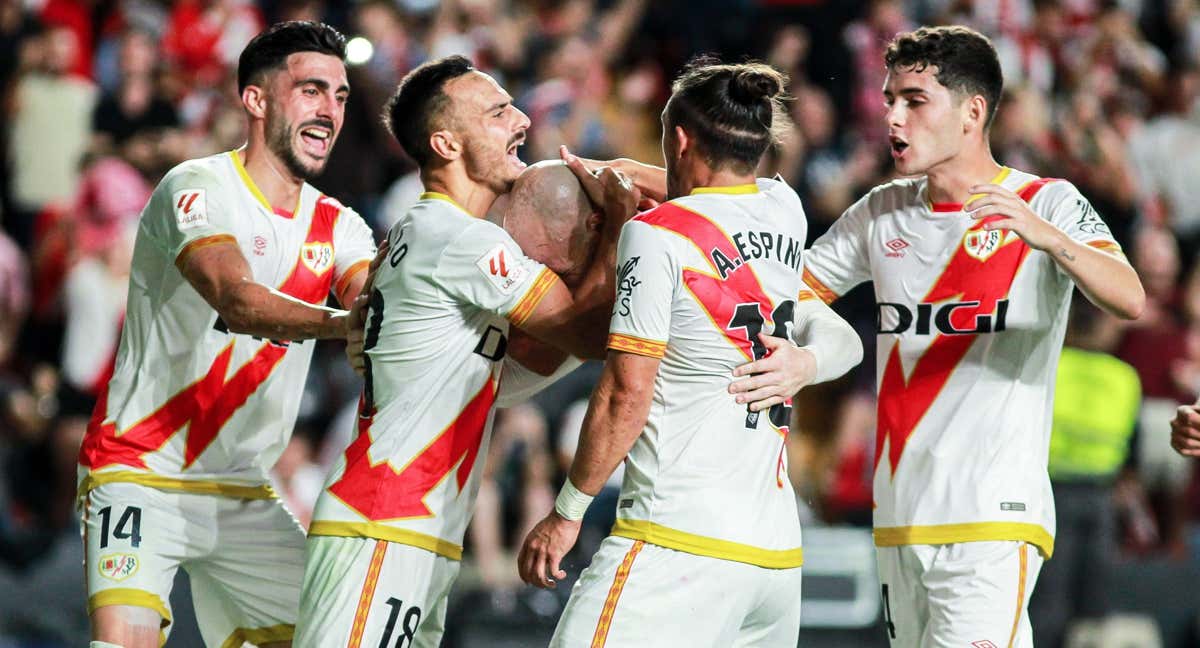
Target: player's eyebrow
[
  {"x": 905, "y": 92},
  {"x": 322, "y": 84},
  {"x": 498, "y": 106}
]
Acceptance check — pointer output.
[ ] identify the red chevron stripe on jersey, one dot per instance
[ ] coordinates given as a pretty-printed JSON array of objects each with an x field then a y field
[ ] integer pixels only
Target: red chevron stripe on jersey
[
  {"x": 719, "y": 299},
  {"x": 208, "y": 404},
  {"x": 903, "y": 403},
  {"x": 381, "y": 492}
]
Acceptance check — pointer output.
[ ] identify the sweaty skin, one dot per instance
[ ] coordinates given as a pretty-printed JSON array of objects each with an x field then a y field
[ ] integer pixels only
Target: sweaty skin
[{"x": 549, "y": 215}]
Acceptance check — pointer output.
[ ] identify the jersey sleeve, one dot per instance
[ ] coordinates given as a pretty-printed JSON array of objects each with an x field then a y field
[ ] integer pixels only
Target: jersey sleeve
[
  {"x": 838, "y": 260},
  {"x": 189, "y": 212},
  {"x": 354, "y": 247},
  {"x": 646, "y": 280},
  {"x": 1071, "y": 212},
  {"x": 485, "y": 267},
  {"x": 518, "y": 383}
]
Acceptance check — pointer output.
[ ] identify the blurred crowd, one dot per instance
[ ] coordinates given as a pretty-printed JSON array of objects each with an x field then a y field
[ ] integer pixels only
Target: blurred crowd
[{"x": 101, "y": 97}]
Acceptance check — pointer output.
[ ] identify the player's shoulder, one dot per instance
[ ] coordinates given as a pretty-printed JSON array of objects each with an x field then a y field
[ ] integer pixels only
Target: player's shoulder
[
  {"x": 206, "y": 172},
  {"x": 1046, "y": 190}
]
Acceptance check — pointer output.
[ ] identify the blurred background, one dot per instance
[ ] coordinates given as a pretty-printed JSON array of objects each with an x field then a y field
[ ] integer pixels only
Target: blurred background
[{"x": 101, "y": 97}]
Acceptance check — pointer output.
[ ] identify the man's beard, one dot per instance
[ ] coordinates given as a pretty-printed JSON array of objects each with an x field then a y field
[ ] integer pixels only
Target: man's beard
[{"x": 279, "y": 141}]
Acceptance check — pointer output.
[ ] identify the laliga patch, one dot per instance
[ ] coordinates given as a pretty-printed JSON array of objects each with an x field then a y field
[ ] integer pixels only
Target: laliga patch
[
  {"x": 318, "y": 257},
  {"x": 982, "y": 244},
  {"x": 118, "y": 567},
  {"x": 500, "y": 267},
  {"x": 190, "y": 209}
]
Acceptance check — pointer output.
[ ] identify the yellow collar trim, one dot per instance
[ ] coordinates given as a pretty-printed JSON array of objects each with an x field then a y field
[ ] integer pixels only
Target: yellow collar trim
[
  {"x": 434, "y": 195},
  {"x": 732, "y": 189},
  {"x": 249, "y": 182},
  {"x": 997, "y": 179}
]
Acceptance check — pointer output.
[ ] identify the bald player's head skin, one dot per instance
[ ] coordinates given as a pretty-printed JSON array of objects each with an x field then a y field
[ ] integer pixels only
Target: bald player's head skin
[{"x": 548, "y": 214}]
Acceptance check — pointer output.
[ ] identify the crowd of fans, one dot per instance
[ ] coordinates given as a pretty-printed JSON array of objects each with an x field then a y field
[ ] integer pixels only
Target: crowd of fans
[{"x": 101, "y": 97}]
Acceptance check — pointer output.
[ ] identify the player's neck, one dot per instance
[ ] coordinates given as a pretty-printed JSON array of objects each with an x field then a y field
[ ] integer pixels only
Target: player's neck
[
  {"x": 271, "y": 176},
  {"x": 472, "y": 196},
  {"x": 704, "y": 177},
  {"x": 951, "y": 181}
]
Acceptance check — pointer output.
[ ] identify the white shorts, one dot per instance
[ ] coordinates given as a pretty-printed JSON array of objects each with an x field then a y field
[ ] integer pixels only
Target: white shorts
[
  {"x": 244, "y": 558},
  {"x": 367, "y": 592},
  {"x": 965, "y": 595},
  {"x": 636, "y": 594}
]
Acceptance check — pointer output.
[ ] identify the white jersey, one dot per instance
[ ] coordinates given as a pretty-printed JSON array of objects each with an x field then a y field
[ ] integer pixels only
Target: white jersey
[
  {"x": 190, "y": 405},
  {"x": 435, "y": 341},
  {"x": 699, "y": 277},
  {"x": 971, "y": 325}
]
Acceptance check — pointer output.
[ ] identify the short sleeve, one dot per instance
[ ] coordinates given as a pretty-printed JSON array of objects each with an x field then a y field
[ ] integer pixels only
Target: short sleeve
[
  {"x": 646, "y": 280},
  {"x": 485, "y": 267},
  {"x": 188, "y": 212},
  {"x": 838, "y": 260},
  {"x": 353, "y": 245},
  {"x": 1071, "y": 212}
]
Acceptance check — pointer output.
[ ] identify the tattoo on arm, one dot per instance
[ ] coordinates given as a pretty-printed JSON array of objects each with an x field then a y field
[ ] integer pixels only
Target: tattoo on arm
[{"x": 1066, "y": 255}]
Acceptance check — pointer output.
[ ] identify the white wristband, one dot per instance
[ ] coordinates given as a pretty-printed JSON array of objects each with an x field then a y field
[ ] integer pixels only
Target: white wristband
[{"x": 571, "y": 502}]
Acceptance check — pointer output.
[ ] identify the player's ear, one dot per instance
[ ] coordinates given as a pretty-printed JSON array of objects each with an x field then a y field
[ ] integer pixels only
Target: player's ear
[
  {"x": 594, "y": 221},
  {"x": 974, "y": 113},
  {"x": 254, "y": 100},
  {"x": 446, "y": 145}
]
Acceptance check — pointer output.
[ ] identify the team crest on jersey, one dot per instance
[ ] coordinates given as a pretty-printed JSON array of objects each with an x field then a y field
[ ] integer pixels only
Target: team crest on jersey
[
  {"x": 190, "y": 209},
  {"x": 500, "y": 267},
  {"x": 982, "y": 244},
  {"x": 118, "y": 567},
  {"x": 318, "y": 256}
]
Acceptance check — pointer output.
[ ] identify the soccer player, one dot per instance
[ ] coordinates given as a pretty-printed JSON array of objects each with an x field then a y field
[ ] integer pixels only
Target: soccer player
[
  {"x": 706, "y": 547},
  {"x": 387, "y": 530},
  {"x": 1185, "y": 430},
  {"x": 973, "y": 264},
  {"x": 235, "y": 256}
]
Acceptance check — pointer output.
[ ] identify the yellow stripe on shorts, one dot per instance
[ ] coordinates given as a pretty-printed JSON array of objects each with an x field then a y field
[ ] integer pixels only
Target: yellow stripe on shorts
[
  {"x": 368, "y": 594},
  {"x": 1012, "y": 638},
  {"x": 614, "y": 594}
]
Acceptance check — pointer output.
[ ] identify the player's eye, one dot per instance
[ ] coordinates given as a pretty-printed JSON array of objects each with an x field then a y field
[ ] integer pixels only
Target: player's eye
[{"x": 312, "y": 92}]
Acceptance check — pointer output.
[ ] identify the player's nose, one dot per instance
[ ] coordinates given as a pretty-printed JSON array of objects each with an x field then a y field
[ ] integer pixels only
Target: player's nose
[{"x": 522, "y": 119}]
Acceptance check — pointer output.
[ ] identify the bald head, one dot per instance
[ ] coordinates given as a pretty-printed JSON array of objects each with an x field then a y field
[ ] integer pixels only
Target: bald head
[{"x": 551, "y": 218}]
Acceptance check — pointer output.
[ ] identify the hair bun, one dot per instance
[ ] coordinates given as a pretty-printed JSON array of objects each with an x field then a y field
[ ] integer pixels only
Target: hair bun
[{"x": 752, "y": 84}]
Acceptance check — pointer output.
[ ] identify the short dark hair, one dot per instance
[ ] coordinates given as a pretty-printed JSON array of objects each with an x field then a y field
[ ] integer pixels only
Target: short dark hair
[
  {"x": 270, "y": 49},
  {"x": 734, "y": 111},
  {"x": 420, "y": 97},
  {"x": 966, "y": 61}
]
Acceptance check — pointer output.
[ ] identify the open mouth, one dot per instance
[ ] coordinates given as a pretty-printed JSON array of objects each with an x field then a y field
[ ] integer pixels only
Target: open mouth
[
  {"x": 317, "y": 139},
  {"x": 899, "y": 146},
  {"x": 512, "y": 152}
]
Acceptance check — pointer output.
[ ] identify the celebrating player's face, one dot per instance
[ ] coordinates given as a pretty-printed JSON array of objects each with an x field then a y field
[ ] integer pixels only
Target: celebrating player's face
[
  {"x": 305, "y": 110},
  {"x": 491, "y": 128},
  {"x": 924, "y": 120}
]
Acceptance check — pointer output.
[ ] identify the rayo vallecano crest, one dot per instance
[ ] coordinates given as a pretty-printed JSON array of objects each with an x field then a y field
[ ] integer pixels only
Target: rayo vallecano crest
[
  {"x": 982, "y": 244},
  {"x": 317, "y": 256}
]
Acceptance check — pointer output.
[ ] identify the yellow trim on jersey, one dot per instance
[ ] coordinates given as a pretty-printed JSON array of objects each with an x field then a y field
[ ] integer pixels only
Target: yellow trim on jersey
[
  {"x": 1034, "y": 534},
  {"x": 1106, "y": 246},
  {"x": 434, "y": 195},
  {"x": 260, "y": 636},
  {"x": 999, "y": 178},
  {"x": 600, "y": 636},
  {"x": 699, "y": 545},
  {"x": 340, "y": 285},
  {"x": 537, "y": 291},
  {"x": 201, "y": 243},
  {"x": 197, "y": 486},
  {"x": 818, "y": 287},
  {"x": 734, "y": 190},
  {"x": 129, "y": 596},
  {"x": 1022, "y": 571},
  {"x": 806, "y": 295},
  {"x": 389, "y": 533},
  {"x": 637, "y": 345},
  {"x": 249, "y": 182}
]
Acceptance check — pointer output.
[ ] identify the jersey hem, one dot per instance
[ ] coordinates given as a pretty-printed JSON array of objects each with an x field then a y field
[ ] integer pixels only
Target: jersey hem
[
  {"x": 378, "y": 531},
  {"x": 134, "y": 597},
  {"x": 699, "y": 545},
  {"x": 260, "y": 636},
  {"x": 1034, "y": 534},
  {"x": 194, "y": 486},
  {"x": 637, "y": 345}
]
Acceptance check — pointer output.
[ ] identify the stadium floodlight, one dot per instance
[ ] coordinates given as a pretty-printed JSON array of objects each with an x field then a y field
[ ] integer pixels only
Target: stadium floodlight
[{"x": 359, "y": 50}]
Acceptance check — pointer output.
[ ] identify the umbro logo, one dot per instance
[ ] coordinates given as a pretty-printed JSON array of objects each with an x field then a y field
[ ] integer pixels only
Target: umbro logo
[{"x": 896, "y": 247}]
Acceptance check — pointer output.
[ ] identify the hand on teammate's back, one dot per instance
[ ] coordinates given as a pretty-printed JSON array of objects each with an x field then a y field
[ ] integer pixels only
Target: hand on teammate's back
[
  {"x": 357, "y": 320},
  {"x": 1185, "y": 430},
  {"x": 786, "y": 370}
]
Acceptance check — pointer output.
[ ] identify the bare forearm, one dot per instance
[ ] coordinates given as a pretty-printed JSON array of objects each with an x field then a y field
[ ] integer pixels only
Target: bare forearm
[
  {"x": 615, "y": 419},
  {"x": 1108, "y": 281},
  {"x": 649, "y": 179},
  {"x": 255, "y": 309}
]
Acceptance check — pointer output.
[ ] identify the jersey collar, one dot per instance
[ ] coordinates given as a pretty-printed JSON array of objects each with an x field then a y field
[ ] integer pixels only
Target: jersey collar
[
  {"x": 957, "y": 207},
  {"x": 732, "y": 190},
  {"x": 433, "y": 195},
  {"x": 256, "y": 192}
]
